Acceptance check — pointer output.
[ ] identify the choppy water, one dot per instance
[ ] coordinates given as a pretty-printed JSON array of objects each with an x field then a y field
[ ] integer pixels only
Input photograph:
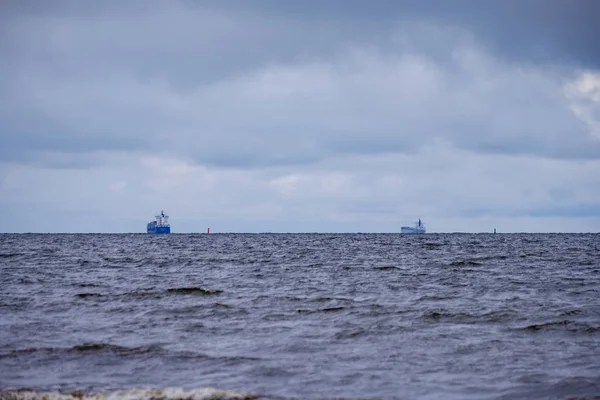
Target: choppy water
[{"x": 311, "y": 316}]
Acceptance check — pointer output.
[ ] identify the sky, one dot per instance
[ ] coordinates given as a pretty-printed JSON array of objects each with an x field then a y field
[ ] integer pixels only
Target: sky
[{"x": 311, "y": 116}]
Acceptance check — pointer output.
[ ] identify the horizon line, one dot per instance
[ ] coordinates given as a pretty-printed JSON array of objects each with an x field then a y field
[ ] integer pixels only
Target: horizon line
[{"x": 294, "y": 233}]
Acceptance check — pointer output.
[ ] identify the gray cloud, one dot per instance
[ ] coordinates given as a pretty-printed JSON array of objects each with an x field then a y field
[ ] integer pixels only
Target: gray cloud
[
  {"x": 533, "y": 30},
  {"x": 333, "y": 111},
  {"x": 363, "y": 100}
]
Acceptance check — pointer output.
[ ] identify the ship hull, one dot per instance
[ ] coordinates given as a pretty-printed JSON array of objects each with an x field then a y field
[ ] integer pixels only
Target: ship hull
[
  {"x": 410, "y": 229},
  {"x": 159, "y": 229}
]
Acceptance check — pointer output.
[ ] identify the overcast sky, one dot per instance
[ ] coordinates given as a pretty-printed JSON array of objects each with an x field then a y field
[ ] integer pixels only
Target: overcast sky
[{"x": 300, "y": 116}]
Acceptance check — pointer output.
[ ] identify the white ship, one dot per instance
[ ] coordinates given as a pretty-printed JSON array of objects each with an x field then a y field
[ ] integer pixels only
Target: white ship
[{"x": 418, "y": 228}]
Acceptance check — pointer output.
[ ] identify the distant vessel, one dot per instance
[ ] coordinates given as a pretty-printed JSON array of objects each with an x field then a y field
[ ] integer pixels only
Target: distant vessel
[
  {"x": 160, "y": 224},
  {"x": 418, "y": 228}
]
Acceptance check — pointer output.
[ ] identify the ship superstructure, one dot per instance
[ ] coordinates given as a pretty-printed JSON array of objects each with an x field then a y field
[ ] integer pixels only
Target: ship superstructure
[{"x": 160, "y": 224}]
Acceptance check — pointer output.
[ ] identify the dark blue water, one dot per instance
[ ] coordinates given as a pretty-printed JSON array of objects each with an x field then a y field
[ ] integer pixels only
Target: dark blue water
[{"x": 313, "y": 316}]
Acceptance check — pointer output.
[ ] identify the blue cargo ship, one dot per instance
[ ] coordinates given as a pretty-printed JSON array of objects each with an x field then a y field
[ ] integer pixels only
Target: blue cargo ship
[
  {"x": 418, "y": 228},
  {"x": 160, "y": 224}
]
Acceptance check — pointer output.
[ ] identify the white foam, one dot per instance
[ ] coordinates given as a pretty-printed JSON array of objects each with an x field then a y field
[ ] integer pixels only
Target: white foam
[{"x": 132, "y": 394}]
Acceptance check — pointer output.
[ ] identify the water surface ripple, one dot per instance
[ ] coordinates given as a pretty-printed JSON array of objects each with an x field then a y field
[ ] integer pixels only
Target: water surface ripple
[{"x": 300, "y": 316}]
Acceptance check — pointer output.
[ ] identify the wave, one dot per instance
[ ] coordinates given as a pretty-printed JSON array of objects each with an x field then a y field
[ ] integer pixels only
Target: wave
[
  {"x": 325, "y": 299},
  {"x": 469, "y": 318},
  {"x": 84, "y": 348},
  {"x": 386, "y": 267},
  {"x": 194, "y": 290},
  {"x": 350, "y": 334},
  {"x": 479, "y": 260},
  {"x": 568, "y": 325},
  {"x": 10, "y": 255},
  {"x": 84, "y": 295},
  {"x": 465, "y": 262},
  {"x": 131, "y": 394},
  {"x": 151, "y": 292},
  {"x": 328, "y": 309},
  {"x": 94, "y": 349},
  {"x": 432, "y": 245}
]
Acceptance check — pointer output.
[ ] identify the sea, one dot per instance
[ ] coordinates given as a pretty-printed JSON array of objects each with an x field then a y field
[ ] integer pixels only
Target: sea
[{"x": 299, "y": 316}]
